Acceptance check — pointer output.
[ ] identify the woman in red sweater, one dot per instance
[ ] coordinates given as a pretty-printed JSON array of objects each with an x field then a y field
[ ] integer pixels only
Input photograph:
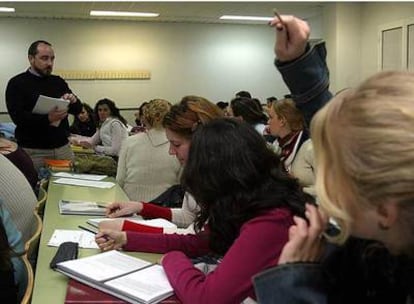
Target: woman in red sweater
[
  {"x": 247, "y": 205},
  {"x": 179, "y": 123}
]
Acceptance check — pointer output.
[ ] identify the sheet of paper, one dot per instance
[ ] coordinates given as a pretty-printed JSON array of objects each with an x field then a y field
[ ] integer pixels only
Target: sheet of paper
[
  {"x": 85, "y": 239},
  {"x": 148, "y": 284},
  {"x": 83, "y": 183},
  {"x": 105, "y": 265},
  {"x": 158, "y": 222},
  {"x": 44, "y": 104},
  {"x": 95, "y": 177}
]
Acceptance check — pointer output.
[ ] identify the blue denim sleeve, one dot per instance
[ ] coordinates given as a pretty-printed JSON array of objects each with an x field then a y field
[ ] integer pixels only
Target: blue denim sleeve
[
  {"x": 307, "y": 78},
  {"x": 294, "y": 283}
]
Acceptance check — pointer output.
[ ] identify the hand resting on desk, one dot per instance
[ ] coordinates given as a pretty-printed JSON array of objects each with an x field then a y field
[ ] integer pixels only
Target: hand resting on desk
[
  {"x": 110, "y": 239},
  {"x": 118, "y": 209}
]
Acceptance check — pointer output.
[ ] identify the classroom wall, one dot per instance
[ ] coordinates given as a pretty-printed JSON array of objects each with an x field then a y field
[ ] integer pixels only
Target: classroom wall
[
  {"x": 374, "y": 15},
  {"x": 211, "y": 60}
]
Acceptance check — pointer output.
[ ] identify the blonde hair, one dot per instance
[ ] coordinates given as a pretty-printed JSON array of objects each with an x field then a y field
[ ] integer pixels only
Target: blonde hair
[
  {"x": 286, "y": 109},
  {"x": 364, "y": 149},
  {"x": 154, "y": 112}
]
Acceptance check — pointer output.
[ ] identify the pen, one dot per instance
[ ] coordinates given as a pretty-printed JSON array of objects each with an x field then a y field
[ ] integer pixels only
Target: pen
[
  {"x": 101, "y": 205},
  {"x": 87, "y": 229},
  {"x": 93, "y": 231}
]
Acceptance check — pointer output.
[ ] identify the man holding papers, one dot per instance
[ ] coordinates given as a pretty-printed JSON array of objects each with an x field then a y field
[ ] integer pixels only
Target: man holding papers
[{"x": 41, "y": 135}]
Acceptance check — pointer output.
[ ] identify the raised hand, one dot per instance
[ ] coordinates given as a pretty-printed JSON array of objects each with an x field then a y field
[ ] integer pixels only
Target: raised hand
[{"x": 292, "y": 35}]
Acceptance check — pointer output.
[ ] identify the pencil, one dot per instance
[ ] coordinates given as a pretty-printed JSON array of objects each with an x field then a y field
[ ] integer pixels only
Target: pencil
[
  {"x": 101, "y": 204},
  {"x": 280, "y": 19}
]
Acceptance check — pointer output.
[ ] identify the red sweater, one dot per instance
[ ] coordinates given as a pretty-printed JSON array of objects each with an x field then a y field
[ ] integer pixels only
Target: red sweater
[
  {"x": 257, "y": 248},
  {"x": 148, "y": 211}
]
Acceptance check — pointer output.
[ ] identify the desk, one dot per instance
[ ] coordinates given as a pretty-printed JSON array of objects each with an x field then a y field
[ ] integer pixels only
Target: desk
[{"x": 50, "y": 286}]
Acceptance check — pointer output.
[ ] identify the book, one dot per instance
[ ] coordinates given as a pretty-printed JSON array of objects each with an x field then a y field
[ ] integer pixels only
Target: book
[
  {"x": 131, "y": 279},
  {"x": 58, "y": 164},
  {"x": 81, "y": 207},
  {"x": 79, "y": 293}
]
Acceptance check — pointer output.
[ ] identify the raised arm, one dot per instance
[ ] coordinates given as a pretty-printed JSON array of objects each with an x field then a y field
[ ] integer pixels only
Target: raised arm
[{"x": 302, "y": 66}]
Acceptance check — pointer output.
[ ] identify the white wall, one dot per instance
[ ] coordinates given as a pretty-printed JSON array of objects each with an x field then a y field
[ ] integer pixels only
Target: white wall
[
  {"x": 211, "y": 60},
  {"x": 373, "y": 16},
  {"x": 343, "y": 21}
]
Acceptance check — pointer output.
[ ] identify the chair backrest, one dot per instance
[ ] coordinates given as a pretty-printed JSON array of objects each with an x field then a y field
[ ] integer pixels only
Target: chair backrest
[
  {"x": 44, "y": 183},
  {"x": 30, "y": 280},
  {"x": 41, "y": 201},
  {"x": 32, "y": 244}
]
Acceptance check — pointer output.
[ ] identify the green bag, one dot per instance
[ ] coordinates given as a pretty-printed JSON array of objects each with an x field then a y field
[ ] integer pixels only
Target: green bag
[{"x": 95, "y": 164}]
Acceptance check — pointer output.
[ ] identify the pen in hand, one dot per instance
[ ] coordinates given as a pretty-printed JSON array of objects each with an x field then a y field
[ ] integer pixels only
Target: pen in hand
[
  {"x": 282, "y": 24},
  {"x": 93, "y": 231}
]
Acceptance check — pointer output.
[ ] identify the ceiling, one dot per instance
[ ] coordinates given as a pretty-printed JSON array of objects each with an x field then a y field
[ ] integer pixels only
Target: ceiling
[{"x": 170, "y": 11}]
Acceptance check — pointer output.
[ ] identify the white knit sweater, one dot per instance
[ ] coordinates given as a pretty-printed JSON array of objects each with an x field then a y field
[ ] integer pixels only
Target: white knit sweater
[
  {"x": 145, "y": 169},
  {"x": 17, "y": 196}
]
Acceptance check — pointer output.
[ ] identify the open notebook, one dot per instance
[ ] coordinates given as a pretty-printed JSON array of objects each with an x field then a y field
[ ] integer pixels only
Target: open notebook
[{"x": 131, "y": 279}]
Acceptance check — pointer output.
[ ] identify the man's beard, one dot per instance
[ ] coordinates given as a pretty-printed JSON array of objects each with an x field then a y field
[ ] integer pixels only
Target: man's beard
[{"x": 44, "y": 72}]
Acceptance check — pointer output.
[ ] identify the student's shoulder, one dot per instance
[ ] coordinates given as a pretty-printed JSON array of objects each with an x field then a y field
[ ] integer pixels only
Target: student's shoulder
[{"x": 274, "y": 216}]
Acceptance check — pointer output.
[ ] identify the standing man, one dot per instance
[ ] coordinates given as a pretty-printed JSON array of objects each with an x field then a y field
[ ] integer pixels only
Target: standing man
[{"x": 37, "y": 133}]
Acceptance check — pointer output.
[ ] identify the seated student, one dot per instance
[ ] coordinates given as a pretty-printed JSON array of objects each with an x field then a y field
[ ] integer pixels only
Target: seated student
[
  {"x": 179, "y": 123},
  {"x": 286, "y": 122},
  {"x": 250, "y": 111},
  {"x": 20, "y": 159},
  {"x": 224, "y": 106},
  {"x": 365, "y": 183},
  {"x": 8, "y": 286},
  {"x": 246, "y": 208},
  {"x": 243, "y": 94},
  {"x": 84, "y": 123},
  {"x": 7, "y": 130},
  {"x": 16, "y": 244},
  {"x": 112, "y": 130},
  {"x": 18, "y": 197},
  {"x": 269, "y": 102},
  {"x": 145, "y": 169},
  {"x": 139, "y": 125}
]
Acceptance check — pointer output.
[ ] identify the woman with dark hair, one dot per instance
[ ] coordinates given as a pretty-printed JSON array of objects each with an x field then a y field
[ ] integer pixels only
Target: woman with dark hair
[
  {"x": 179, "y": 123},
  {"x": 246, "y": 207},
  {"x": 112, "y": 130},
  {"x": 84, "y": 123},
  {"x": 250, "y": 111}
]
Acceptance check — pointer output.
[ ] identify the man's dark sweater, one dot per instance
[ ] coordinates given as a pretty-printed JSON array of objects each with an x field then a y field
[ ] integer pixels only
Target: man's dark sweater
[{"x": 34, "y": 130}]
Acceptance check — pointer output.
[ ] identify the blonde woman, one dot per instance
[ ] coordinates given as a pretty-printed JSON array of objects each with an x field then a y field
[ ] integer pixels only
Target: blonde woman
[
  {"x": 364, "y": 152},
  {"x": 145, "y": 169}
]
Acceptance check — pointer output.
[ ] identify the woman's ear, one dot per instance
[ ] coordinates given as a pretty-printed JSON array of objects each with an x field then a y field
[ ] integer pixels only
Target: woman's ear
[{"x": 387, "y": 215}]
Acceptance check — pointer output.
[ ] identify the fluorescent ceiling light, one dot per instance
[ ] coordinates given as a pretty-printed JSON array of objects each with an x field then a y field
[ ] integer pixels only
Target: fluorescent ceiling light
[
  {"x": 246, "y": 18},
  {"x": 122, "y": 14},
  {"x": 7, "y": 10}
]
